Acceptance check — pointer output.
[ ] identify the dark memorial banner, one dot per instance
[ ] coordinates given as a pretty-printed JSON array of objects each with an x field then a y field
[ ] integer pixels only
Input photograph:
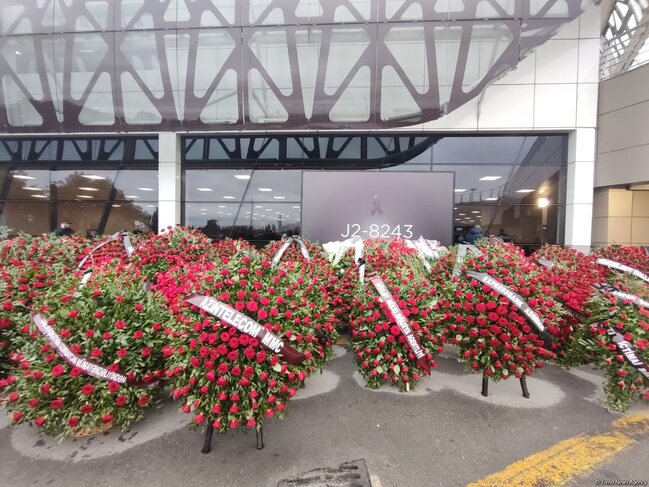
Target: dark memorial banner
[
  {"x": 402, "y": 322},
  {"x": 627, "y": 350},
  {"x": 291, "y": 240},
  {"x": 518, "y": 301},
  {"x": 89, "y": 367},
  {"x": 609, "y": 288},
  {"x": 623, "y": 268},
  {"x": 338, "y": 205},
  {"x": 248, "y": 326}
]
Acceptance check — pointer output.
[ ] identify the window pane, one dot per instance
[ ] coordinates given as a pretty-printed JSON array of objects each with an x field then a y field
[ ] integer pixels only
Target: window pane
[
  {"x": 136, "y": 185},
  {"x": 33, "y": 218},
  {"x": 207, "y": 185},
  {"x": 77, "y": 185},
  {"x": 131, "y": 216},
  {"x": 27, "y": 184}
]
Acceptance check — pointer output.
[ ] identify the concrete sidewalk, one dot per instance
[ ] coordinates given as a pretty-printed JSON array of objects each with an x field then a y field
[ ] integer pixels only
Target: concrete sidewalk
[{"x": 443, "y": 434}]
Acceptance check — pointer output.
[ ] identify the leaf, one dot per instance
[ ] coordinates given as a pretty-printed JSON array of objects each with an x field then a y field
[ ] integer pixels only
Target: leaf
[
  {"x": 277, "y": 367},
  {"x": 397, "y": 369}
]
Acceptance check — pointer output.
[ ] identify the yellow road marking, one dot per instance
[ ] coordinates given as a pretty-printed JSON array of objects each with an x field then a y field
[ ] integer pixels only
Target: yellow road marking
[{"x": 569, "y": 458}]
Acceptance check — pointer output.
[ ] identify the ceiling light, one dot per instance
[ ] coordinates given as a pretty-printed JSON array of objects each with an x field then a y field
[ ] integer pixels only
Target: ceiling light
[
  {"x": 203, "y": 214},
  {"x": 38, "y": 196},
  {"x": 117, "y": 206},
  {"x": 279, "y": 197},
  {"x": 491, "y": 199},
  {"x": 296, "y": 207},
  {"x": 228, "y": 197},
  {"x": 229, "y": 214},
  {"x": 455, "y": 208},
  {"x": 146, "y": 189},
  {"x": 269, "y": 209},
  {"x": 18, "y": 52},
  {"x": 490, "y": 178},
  {"x": 32, "y": 188},
  {"x": 219, "y": 212},
  {"x": 93, "y": 177},
  {"x": 525, "y": 191},
  {"x": 84, "y": 196},
  {"x": 258, "y": 206},
  {"x": 462, "y": 214},
  {"x": 459, "y": 190},
  {"x": 204, "y": 189},
  {"x": 204, "y": 209},
  {"x": 131, "y": 196},
  {"x": 86, "y": 188},
  {"x": 150, "y": 206},
  {"x": 242, "y": 176},
  {"x": 20, "y": 176},
  {"x": 265, "y": 189},
  {"x": 543, "y": 202},
  {"x": 477, "y": 211}
]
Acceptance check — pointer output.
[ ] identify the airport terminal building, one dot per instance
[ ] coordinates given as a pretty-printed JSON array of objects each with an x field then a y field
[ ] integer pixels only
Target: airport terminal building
[{"x": 143, "y": 114}]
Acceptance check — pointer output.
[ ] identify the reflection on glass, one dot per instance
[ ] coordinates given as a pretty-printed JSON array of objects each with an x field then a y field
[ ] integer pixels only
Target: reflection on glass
[
  {"x": 132, "y": 217},
  {"x": 32, "y": 218},
  {"x": 526, "y": 225},
  {"x": 27, "y": 184},
  {"x": 136, "y": 185},
  {"x": 74, "y": 185},
  {"x": 214, "y": 185}
]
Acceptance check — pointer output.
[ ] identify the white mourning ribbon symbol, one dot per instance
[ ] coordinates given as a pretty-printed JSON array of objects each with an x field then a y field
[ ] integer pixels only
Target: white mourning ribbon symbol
[{"x": 376, "y": 205}]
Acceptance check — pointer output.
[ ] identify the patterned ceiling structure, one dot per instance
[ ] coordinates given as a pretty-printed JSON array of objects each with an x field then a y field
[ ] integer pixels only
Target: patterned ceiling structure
[{"x": 202, "y": 65}]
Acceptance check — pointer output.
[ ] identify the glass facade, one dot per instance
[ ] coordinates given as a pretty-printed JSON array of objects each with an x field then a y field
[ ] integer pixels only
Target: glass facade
[
  {"x": 251, "y": 187},
  {"x": 204, "y": 65},
  {"x": 101, "y": 185}
]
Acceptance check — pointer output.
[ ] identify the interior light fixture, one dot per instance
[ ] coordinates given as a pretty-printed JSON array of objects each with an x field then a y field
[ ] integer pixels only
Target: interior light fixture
[
  {"x": 146, "y": 189},
  {"x": 204, "y": 189},
  {"x": 296, "y": 207},
  {"x": 459, "y": 190},
  {"x": 258, "y": 206},
  {"x": 32, "y": 188},
  {"x": 87, "y": 188},
  {"x": 490, "y": 178},
  {"x": 279, "y": 197},
  {"x": 476, "y": 212},
  {"x": 84, "y": 196},
  {"x": 21, "y": 176},
  {"x": 242, "y": 176},
  {"x": 491, "y": 199},
  {"x": 525, "y": 191},
  {"x": 38, "y": 196},
  {"x": 269, "y": 209},
  {"x": 543, "y": 202},
  {"x": 203, "y": 209},
  {"x": 132, "y": 196},
  {"x": 117, "y": 206},
  {"x": 228, "y": 197},
  {"x": 265, "y": 189},
  {"x": 462, "y": 214},
  {"x": 93, "y": 177}
]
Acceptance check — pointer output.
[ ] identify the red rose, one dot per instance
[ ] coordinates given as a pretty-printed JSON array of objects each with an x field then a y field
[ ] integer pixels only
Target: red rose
[
  {"x": 107, "y": 418},
  {"x": 86, "y": 409},
  {"x": 7, "y": 305},
  {"x": 32, "y": 403},
  {"x": 138, "y": 307},
  {"x": 121, "y": 400},
  {"x": 76, "y": 372},
  {"x": 113, "y": 386},
  {"x": 14, "y": 396},
  {"x": 87, "y": 389},
  {"x": 96, "y": 353},
  {"x": 45, "y": 389},
  {"x": 58, "y": 370},
  {"x": 252, "y": 306},
  {"x": 73, "y": 421},
  {"x": 622, "y": 373},
  {"x": 56, "y": 403},
  {"x": 120, "y": 324},
  {"x": 17, "y": 416},
  {"x": 99, "y": 314},
  {"x": 146, "y": 351},
  {"x": 73, "y": 314},
  {"x": 39, "y": 421},
  {"x": 138, "y": 334},
  {"x": 143, "y": 400},
  {"x": 122, "y": 352}
]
